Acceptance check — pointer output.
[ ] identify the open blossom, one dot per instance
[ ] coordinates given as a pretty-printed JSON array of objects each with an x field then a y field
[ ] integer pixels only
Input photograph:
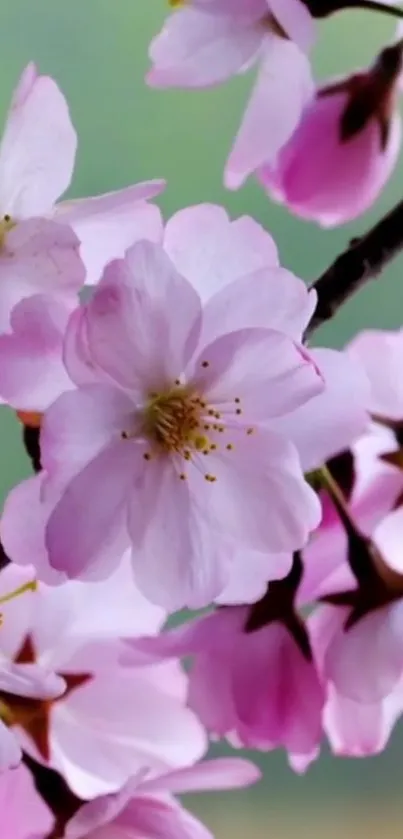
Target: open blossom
[
  {"x": 23, "y": 813},
  {"x": 354, "y": 126},
  {"x": 37, "y": 155},
  {"x": 255, "y": 686},
  {"x": 147, "y": 807},
  {"x": 166, "y": 436},
  {"x": 205, "y": 43},
  {"x": 108, "y": 720}
]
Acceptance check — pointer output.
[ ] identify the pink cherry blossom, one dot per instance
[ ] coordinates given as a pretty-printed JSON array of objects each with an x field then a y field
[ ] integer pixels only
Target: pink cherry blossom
[
  {"x": 354, "y": 126},
  {"x": 23, "y": 813},
  {"x": 147, "y": 808},
  {"x": 37, "y": 154},
  {"x": 111, "y": 720},
  {"x": 152, "y": 411},
  {"x": 256, "y": 687},
  {"x": 204, "y": 44}
]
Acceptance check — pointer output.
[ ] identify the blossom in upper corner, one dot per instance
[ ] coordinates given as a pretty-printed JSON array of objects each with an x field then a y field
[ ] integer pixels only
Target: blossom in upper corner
[
  {"x": 23, "y": 813},
  {"x": 146, "y": 807},
  {"x": 37, "y": 153},
  {"x": 109, "y": 720},
  {"x": 345, "y": 147},
  {"x": 205, "y": 43},
  {"x": 165, "y": 440}
]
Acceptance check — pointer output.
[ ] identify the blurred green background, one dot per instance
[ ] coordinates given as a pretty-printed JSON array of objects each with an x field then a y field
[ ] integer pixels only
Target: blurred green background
[{"x": 97, "y": 51}]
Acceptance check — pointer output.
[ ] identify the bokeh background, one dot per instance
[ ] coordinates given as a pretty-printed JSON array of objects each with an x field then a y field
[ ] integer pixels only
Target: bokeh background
[{"x": 97, "y": 51}]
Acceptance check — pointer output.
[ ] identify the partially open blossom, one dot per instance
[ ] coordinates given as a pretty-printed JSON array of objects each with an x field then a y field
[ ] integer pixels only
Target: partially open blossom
[
  {"x": 23, "y": 813},
  {"x": 147, "y": 807},
  {"x": 345, "y": 147},
  {"x": 205, "y": 43},
  {"x": 110, "y": 720},
  {"x": 253, "y": 677},
  {"x": 37, "y": 155}
]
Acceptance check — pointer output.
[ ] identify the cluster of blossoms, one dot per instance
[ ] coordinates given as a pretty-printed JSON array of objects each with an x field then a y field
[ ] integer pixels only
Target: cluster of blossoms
[{"x": 190, "y": 450}]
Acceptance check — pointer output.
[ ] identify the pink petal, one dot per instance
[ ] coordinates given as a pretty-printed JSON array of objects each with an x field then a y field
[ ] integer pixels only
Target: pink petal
[
  {"x": 98, "y": 750},
  {"x": 355, "y": 729},
  {"x": 162, "y": 819},
  {"x": 283, "y": 88},
  {"x": 38, "y": 148},
  {"x": 365, "y": 662},
  {"x": 221, "y": 773},
  {"x": 30, "y": 821},
  {"x": 140, "y": 297},
  {"x": 22, "y": 529},
  {"x": 32, "y": 373},
  {"x": 39, "y": 256},
  {"x": 79, "y": 425},
  {"x": 272, "y": 298},
  {"x": 30, "y": 680},
  {"x": 107, "y": 225},
  {"x": 177, "y": 558},
  {"x": 249, "y": 574},
  {"x": 380, "y": 353},
  {"x": 198, "y": 50},
  {"x": 212, "y": 251},
  {"x": 89, "y": 538},
  {"x": 260, "y": 498},
  {"x": 10, "y": 752},
  {"x": 335, "y": 418},
  {"x": 287, "y": 379},
  {"x": 388, "y": 539},
  {"x": 294, "y": 17}
]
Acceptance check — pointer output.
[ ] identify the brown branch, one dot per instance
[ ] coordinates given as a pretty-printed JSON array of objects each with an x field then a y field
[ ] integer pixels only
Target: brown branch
[{"x": 364, "y": 260}]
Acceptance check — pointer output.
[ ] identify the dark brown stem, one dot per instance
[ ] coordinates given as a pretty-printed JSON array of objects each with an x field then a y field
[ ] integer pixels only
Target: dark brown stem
[
  {"x": 323, "y": 8},
  {"x": 364, "y": 260}
]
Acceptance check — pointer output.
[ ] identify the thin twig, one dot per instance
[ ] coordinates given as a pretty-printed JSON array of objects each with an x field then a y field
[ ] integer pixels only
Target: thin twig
[{"x": 364, "y": 260}]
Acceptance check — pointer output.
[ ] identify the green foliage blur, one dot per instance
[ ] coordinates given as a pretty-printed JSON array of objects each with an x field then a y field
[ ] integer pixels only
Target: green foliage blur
[{"x": 97, "y": 51}]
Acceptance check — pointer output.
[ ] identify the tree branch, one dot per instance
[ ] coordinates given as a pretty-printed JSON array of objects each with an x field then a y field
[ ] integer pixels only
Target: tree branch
[{"x": 364, "y": 260}]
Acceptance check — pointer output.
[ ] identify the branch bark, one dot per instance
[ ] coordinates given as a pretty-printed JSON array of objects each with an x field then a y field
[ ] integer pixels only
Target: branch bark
[{"x": 364, "y": 260}]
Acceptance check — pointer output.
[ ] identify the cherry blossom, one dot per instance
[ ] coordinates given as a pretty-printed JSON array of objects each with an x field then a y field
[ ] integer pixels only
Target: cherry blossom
[
  {"x": 205, "y": 43},
  {"x": 147, "y": 807},
  {"x": 109, "y": 720},
  {"x": 37, "y": 155},
  {"x": 147, "y": 415}
]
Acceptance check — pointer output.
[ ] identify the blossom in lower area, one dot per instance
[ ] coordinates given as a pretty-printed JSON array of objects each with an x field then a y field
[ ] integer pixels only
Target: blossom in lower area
[
  {"x": 253, "y": 677},
  {"x": 165, "y": 441},
  {"x": 355, "y": 128},
  {"x": 23, "y": 813},
  {"x": 108, "y": 720},
  {"x": 204, "y": 44},
  {"x": 148, "y": 807}
]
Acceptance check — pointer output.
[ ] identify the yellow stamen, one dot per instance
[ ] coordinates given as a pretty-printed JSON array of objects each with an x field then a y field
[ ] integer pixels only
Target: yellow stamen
[
  {"x": 31, "y": 586},
  {"x": 6, "y": 224}
]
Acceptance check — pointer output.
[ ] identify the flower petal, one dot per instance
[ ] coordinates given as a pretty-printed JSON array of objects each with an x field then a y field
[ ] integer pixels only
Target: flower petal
[
  {"x": 212, "y": 251},
  {"x": 197, "y": 50},
  {"x": 138, "y": 298},
  {"x": 109, "y": 224},
  {"x": 38, "y": 148},
  {"x": 283, "y": 88}
]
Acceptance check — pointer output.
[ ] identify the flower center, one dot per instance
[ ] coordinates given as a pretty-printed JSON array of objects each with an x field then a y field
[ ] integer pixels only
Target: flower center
[
  {"x": 174, "y": 421},
  {"x": 6, "y": 224}
]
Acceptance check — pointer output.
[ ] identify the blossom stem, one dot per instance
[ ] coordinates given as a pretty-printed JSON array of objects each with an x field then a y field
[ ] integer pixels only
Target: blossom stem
[
  {"x": 324, "y": 8},
  {"x": 363, "y": 260}
]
